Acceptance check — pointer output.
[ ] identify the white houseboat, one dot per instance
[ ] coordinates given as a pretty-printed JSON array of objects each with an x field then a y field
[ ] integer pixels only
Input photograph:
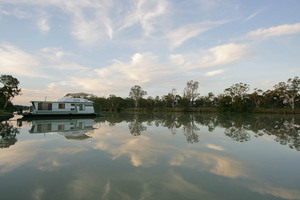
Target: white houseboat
[{"x": 63, "y": 107}]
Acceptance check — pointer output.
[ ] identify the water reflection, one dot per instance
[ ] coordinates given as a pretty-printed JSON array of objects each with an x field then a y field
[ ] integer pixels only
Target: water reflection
[
  {"x": 75, "y": 129},
  {"x": 8, "y": 134},
  {"x": 285, "y": 129},
  {"x": 154, "y": 156}
]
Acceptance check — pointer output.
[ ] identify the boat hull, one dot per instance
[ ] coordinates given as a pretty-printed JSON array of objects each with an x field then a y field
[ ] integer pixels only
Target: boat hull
[{"x": 31, "y": 115}]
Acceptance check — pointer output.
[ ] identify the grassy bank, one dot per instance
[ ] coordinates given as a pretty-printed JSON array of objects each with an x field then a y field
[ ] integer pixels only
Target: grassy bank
[
  {"x": 206, "y": 110},
  {"x": 275, "y": 111},
  {"x": 5, "y": 115}
]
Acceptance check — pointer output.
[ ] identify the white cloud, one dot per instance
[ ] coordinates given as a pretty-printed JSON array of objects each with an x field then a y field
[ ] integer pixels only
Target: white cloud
[
  {"x": 252, "y": 15},
  {"x": 176, "y": 59},
  {"x": 54, "y": 52},
  {"x": 142, "y": 68},
  {"x": 90, "y": 21},
  {"x": 146, "y": 13},
  {"x": 43, "y": 23},
  {"x": 219, "y": 56},
  {"x": 213, "y": 73},
  {"x": 179, "y": 36},
  {"x": 287, "y": 29},
  {"x": 17, "y": 12},
  {"x": 17, "y": 62}
]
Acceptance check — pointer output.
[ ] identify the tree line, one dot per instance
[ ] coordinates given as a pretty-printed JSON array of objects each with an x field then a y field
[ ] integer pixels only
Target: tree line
[{"x": 235, "y": 98}]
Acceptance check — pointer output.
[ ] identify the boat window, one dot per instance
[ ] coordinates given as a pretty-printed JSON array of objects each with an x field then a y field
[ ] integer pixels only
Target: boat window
[
  {"x": 61, "y": 127},
  {"x": 44, "y": 127},
  {"x": 73, "y": 104},
  {"x": 45, "y": 106},
  {"x": 81, "y": 108},
  {"x": 61, "y": 106}
]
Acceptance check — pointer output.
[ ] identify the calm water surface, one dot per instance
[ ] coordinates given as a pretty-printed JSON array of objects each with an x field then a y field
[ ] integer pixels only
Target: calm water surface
[{"x": 147, "y": 156}]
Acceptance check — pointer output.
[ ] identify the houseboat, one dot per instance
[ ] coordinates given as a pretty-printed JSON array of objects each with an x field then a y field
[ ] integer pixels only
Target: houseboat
[{"x": 63, "y": 107}]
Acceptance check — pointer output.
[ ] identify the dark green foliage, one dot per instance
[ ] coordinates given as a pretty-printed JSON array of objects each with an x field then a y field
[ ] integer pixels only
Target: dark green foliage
[
  {"x": 9, "y": 90},
  {"x": 225, "y": 104},
  {"x": 234, "y": 99}
]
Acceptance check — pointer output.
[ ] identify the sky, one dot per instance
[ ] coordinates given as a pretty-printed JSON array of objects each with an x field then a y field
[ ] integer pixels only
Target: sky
[{"x": 104, "y": 47}]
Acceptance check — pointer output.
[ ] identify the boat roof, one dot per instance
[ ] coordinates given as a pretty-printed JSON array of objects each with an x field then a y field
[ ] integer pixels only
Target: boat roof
[{"x": 69, "y": 100}]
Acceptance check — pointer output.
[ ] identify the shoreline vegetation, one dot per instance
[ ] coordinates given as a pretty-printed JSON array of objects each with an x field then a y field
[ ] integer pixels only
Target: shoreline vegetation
[
  {"x": 283, "y": 99},
  {"x": 202, "y": 110}
]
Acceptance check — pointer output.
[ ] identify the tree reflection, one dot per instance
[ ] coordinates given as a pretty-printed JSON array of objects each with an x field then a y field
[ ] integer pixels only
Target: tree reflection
[
  {"x": 136, "y": 126},
  {"x": 240, "y": 128},
  {"x": 8, "y": 135},
  {"x": 286, "y": 131},
  {"x": 236, "y": 127},
  {"x": 190, "y": 129}
]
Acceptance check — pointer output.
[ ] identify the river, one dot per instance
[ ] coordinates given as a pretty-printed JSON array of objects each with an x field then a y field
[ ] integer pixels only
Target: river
[{"x": 151, "y": 156}]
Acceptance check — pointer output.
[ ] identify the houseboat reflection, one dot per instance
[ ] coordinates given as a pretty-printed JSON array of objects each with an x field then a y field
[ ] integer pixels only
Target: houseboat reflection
[{"x": 70, "y": 128}]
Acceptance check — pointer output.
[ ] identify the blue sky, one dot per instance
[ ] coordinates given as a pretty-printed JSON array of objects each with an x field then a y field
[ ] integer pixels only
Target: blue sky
[{"x": 105, "y": 47}]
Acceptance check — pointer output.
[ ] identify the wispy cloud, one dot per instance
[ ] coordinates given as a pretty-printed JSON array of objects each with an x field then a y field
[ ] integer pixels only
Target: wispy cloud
[
  {"x": 15, "y": 61},
  {"x": 179, "y": 36},
  {"x": 90, "y": 21},
  {"x": 87, "y": 29},
  {"x": 17, "y": 12},
  {"x": 220, "y": 56},
  {"x": 43, "y": 25},
  {"x": 176, "y": 59},
  {"x": 252, "y": 15},
  {"x": 142, "y": 68},
  {"x": 213, "y": 73},
  {"x": 265, "y": 33},
  {"x": 146, "y": 13},
  {"x": 43, "y": 22}
]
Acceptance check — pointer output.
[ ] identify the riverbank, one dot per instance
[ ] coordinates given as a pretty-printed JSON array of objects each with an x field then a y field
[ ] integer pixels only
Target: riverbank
[
  {"x": 5, "y": 115},
  {"x": 207, "y": 110}
]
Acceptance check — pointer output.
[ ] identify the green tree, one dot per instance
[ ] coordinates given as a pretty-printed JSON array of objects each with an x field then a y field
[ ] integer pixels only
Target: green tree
[
  {"x": 289, "y": 90},
  {"x": 190, "y": 91},
  {"x": 10, "y": 88},
  {"x": 238, "y": 94},
  {"x": 225, "y": 103},
  {"x": 237, "y": 90},
  {"x": 256, "y": 96},
  {"x": 171, "y": 98},
  {"x": 136, "y": 93}
]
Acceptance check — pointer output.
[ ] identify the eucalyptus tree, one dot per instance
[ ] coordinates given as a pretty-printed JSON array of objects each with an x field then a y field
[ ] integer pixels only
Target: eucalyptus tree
[
  {"x": 237, "y": 95},
  {"x": 10, "y": 88},
  {"x": 171, "y": 98},
  {"x": 190, "y": 91},
  {"x": 289, "y": 90},
  {"x": 256, "y": 96},
  {"x": 136, "y": 93},
  {"x": 237, "y": 90}
]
